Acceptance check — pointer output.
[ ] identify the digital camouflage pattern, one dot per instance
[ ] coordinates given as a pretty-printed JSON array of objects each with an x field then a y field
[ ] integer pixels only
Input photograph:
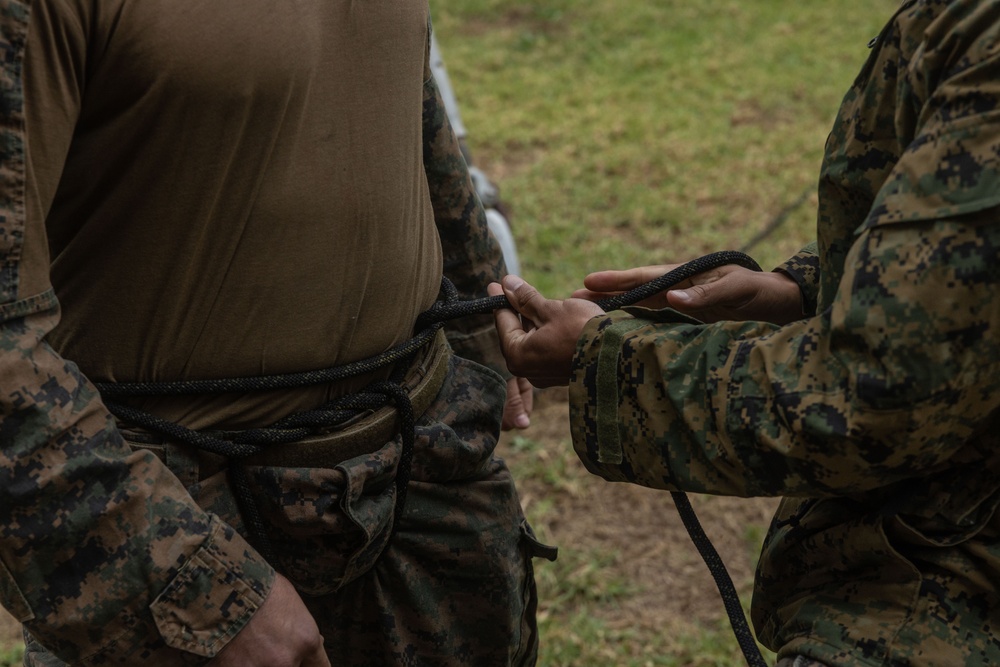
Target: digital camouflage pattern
[
  {"x": 472, "y": 257},
  {"x": 452, "y": 586},
  {"x": 877, "y": 416},
  {"x": 107, "y": 558},
  {"x": 799, "y": 661},
  {"x": 103, "y": 555}
]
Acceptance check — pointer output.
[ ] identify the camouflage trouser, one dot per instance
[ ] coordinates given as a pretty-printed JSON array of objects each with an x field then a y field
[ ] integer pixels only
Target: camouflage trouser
[{"x": 453, "y": 585}]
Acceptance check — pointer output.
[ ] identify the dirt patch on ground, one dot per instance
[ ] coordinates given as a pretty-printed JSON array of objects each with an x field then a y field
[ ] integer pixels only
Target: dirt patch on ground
[{"x": 534, "y": 18}]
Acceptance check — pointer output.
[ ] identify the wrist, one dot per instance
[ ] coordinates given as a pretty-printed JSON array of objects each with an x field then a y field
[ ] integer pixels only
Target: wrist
[{"x": 788, "y": 301}]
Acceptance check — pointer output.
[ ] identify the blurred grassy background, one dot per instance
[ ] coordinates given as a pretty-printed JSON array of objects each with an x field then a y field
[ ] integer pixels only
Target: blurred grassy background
[{"x": 627, "y": 132}]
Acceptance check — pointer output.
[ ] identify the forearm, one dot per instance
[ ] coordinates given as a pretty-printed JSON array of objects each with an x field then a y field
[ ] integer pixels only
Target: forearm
[
  {"x": 881, "y": 387},
  {"x": 105, "y": 552}
]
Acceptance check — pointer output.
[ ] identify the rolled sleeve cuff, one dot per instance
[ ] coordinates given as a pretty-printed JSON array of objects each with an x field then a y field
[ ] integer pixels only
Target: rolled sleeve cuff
[
  {"x": 803, "y": 268},
  {"x": 609, "y": 433}
]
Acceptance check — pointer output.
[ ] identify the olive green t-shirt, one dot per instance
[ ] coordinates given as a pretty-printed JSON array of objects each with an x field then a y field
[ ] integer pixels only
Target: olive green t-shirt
[{"x": 230, "y": 188}]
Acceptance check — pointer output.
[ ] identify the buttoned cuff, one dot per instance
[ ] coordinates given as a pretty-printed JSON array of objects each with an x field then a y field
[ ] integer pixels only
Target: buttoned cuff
[
  {"x": 603, "y": 430},
  {"x": 594, "y": 394}
]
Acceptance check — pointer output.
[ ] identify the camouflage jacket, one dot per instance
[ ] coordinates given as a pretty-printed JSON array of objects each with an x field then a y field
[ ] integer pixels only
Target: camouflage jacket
[
  {"x": 877, "y": 417},
  {"x": 104, "y": 556}
]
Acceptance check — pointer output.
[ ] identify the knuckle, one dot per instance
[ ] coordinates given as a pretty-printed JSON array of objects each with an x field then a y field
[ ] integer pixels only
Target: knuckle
[
  {"x": 526, "y": 295},
  {"x": 701, "y": 291},
  {"x": 315, "y": 643}
]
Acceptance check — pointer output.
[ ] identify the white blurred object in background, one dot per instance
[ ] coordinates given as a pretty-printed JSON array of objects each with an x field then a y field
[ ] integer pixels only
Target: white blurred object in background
[{"x": 489, "y": 194}]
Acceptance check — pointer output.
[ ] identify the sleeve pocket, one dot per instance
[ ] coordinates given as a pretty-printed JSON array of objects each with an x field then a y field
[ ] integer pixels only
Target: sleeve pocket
[{"x": 204, "y": 605}]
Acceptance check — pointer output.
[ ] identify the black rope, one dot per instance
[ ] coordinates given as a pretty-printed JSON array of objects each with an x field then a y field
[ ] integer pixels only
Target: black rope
[
  {"x": 240, "y": 445},
  {"x": 237, "y": 446},
  {"x": 447, "y": 310},
  {"x": 398, "y": 395},
  {"x": 272, "y": 382},
  {"x": 730, "y": 598}
]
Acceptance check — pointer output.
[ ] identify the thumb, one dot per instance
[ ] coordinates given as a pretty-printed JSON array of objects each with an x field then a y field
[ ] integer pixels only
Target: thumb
[
  {"x": 693, "y": 298},
  {"x": 523, "y": 298}
]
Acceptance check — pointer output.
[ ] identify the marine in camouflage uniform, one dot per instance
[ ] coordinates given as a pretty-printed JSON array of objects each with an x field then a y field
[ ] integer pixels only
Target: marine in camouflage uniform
[
  {"x": 129, "y": 551},
  {"x": 877, "y": 415}
]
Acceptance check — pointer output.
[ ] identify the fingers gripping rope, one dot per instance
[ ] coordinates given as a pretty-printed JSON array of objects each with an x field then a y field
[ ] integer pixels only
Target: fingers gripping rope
[{"x": 447, "y": 310}]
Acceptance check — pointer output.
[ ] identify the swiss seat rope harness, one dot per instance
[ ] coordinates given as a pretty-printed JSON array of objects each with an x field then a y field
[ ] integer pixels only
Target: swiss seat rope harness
[{"x": 237, "y": 446}]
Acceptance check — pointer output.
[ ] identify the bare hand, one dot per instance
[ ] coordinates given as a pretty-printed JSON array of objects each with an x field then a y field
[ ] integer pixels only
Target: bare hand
[
  {"x": 520, "y": 401},
  {"x": 541, "y": 348},
  {"x": 281, "y": 634},
  {"x": 727, "y": 293}
]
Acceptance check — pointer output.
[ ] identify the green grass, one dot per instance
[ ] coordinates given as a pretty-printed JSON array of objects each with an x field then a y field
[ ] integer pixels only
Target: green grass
[
  {"x": 627, "y": 132},
  {"x": 11, "y": 656},
  {"x": 586, "y": 642}
]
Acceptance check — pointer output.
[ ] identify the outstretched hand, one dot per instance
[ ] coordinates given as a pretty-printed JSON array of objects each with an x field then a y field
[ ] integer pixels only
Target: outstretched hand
[
  {"x": 540, "y": 343},
  {"x": 729, "y": 292}
]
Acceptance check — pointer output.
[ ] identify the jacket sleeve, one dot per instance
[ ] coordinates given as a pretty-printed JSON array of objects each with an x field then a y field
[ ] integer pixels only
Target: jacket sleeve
[
  {"x": 472, "y": 255},
  {"x": 104, "y": 556},
  {"x": 803, "y": 268},
  {"x": 895, "y": 379},
  {"x": 880, "y": 387}
]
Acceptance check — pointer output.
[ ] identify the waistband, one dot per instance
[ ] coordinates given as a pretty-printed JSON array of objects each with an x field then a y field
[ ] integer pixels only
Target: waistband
[{"x": 364, "y": 434}]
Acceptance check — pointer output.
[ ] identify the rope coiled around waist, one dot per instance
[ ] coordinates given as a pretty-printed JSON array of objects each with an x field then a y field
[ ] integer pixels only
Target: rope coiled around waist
[{"x": 237, "y": 446}]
